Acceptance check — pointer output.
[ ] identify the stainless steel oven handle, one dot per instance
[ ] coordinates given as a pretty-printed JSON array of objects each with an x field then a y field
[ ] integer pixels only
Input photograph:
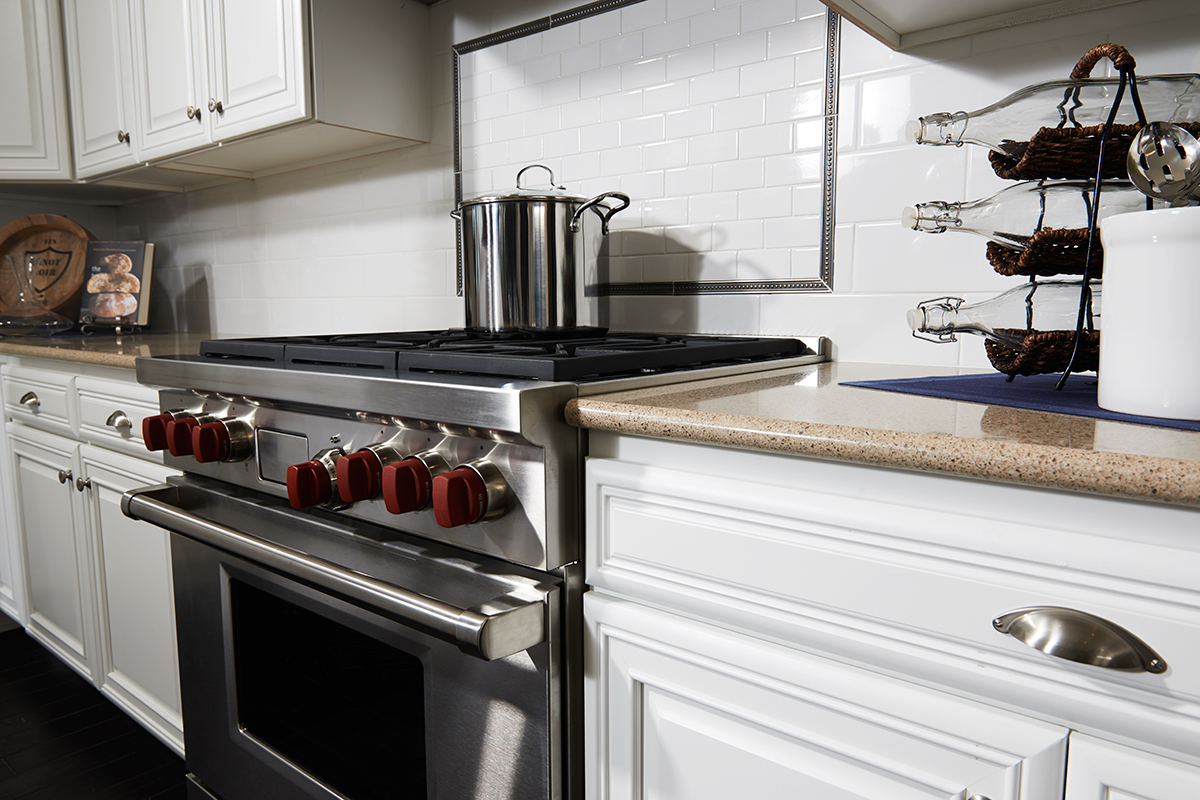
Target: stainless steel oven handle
[{"x": 500, "y": 628}]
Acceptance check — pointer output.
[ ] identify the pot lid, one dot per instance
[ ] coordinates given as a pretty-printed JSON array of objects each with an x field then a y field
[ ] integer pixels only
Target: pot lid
[{"x": 553, "y": 192}]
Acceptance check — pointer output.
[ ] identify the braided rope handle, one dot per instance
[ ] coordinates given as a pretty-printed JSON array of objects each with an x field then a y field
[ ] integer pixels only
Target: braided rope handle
[{"x": 1120, "y": 57}]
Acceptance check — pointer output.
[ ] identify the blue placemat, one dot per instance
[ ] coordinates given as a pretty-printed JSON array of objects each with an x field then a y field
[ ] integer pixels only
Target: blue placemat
[{"x": 1034, "y": 392}]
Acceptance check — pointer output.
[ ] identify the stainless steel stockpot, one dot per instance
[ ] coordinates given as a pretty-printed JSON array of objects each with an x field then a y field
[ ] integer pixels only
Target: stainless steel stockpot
[{"x": 530, "y": 258}]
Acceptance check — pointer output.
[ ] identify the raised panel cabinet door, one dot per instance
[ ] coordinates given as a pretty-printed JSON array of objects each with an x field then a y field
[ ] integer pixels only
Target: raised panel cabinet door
[
  {"x": 1100, "y": 770},
  {"x": 138, "y": 660},
  {"x": 99, "y": 71},
  {"x": 679, "y": 710},
  {"x": 258, "y": 70},
  {"x": 56, "y": 580},
  {"x": 169, "y": 70},
  {"x": 34, "y": 132}
]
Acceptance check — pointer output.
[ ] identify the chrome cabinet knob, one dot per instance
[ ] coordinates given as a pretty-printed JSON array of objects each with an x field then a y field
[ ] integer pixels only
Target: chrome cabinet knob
[
  {"x": 1081, "y": 637},
  {"x": 215, "y": 106},
  {"x": 30, "y": 401},
  {"x": 64, "y": 475},
  {"x": 83, "y": 483},
  {"x": 117, "y": 419},
  {"x": 123, "y": 137},
  {"x": 193, "y": 112}
]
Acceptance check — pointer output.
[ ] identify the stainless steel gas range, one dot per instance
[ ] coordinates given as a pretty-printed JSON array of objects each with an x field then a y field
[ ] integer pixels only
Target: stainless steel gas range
[{"x": 376, "y": 551}]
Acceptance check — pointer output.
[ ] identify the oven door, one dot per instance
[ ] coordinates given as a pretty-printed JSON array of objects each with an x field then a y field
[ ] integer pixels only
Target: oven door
[{"x": 327, "y": 658}]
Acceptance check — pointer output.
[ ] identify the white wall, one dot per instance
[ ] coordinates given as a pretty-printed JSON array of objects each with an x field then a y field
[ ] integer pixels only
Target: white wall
[{"x": 368, "y": 244}]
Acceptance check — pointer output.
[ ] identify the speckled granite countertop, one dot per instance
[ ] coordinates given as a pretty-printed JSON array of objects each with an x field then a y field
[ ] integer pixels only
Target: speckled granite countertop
[
  {"x": 804, "y": 411},
  {"x": 106, "y": 349}
]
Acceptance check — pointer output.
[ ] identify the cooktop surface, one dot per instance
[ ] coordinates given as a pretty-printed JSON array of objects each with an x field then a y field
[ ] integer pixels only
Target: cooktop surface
[{"x": 577, "y": 355}]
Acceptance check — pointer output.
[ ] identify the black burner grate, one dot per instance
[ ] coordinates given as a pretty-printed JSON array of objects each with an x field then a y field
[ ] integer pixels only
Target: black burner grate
[{"x": 579, "y": 356}]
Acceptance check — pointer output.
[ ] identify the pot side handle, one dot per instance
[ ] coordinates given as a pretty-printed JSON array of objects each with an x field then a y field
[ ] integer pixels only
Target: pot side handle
[{"x": 595, "y": 203}]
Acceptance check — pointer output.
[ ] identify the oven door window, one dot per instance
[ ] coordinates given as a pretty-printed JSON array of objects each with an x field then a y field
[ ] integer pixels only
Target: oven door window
[{"x": 333, "y": 701}]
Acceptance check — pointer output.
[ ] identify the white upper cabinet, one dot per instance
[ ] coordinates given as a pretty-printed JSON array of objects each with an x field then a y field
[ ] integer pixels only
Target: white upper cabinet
[
  {"x": 170, "y": 80},
  {"x": 34, "y": 138},
  {"x": 97, "y": 34},
  {"x": 256, "y": 74},
  {"x": 169, "y": 77},
  {"x": 902, "y": 24}
]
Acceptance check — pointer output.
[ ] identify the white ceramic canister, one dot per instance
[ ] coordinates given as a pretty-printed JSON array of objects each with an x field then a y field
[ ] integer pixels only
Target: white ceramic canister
[{"x": 1149, "y": 348}]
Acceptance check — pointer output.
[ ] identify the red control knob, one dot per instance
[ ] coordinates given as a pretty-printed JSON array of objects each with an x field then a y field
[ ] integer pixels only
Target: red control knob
[
  {"x": 459, "y": 497},
  {"x": 358, "y": 476},
  {"x": 407, "y": 486},
  {"x": 308, "y": 484},
  {"x": 154, "y": 431},
  {"x": 179, "y": 435},
  {"x": 210, "y": 442}
]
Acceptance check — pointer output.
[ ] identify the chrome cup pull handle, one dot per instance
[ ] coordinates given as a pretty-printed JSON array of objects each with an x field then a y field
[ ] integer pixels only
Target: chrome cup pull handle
[
  {"x": 577, "y": 218},
  {"x": 1081, "y": 637},
  {"x": 117, "y": 419},
  {"x": 30, "y": 401}
]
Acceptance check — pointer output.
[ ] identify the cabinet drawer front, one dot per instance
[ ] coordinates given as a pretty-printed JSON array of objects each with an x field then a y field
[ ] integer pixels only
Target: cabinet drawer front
[
  {"x": 792, "y": 564},
  {"x": 104, "y": 406},
  {"x": 45, "y": 396}
]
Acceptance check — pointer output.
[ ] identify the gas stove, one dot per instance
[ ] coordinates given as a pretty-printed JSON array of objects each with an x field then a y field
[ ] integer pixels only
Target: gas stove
[
  {"x": 325, "y": 420},
  {"x": 409, "y": 503}
]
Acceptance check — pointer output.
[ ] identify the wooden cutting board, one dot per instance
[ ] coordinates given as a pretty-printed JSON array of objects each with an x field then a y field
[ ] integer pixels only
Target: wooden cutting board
[{"x": 60, "y": 246}]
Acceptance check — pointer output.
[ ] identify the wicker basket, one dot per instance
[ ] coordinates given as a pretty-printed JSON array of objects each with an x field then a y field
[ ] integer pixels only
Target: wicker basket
[
  {"x": 1050, "y": 251},
  {"x": 1073, "y": 153},
  {"x": 1043, "y": 352}
]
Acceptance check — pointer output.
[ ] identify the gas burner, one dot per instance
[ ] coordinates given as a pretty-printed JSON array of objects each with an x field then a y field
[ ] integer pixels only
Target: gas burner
[{"x": 580, "y": 355}]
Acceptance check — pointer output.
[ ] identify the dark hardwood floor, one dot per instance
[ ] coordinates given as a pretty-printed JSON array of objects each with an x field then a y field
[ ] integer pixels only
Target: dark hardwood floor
[{"x": 60, "y": 739}]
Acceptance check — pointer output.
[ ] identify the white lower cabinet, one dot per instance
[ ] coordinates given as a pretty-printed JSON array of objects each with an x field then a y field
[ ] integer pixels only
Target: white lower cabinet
[
  {"x": 55, "y": 546},
  {"x": 138, "y": 662},
  {"x": 767, "y": 626},
  {"x": 95, "y": 586},
  {"x": 1101, "y": 770},
  {"x": 692, "y": 712}
]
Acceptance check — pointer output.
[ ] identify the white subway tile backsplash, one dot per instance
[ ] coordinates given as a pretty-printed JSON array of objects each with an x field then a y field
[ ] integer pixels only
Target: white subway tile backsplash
[
  {"x": 665, "y": 97},
  {"x": 641, "y": 16},
  {"x": 667, "y": 38},
  {"x": 579, "y": 60},
  {"x": 621, "y": 106},
  {"x": 689, "y": 122},
  {"x": 713, "y": 147},
  {"x": 763, "y": 14},
  {"x": 648, "y": 72},
  {"x": 798, "y": 37},
  {"x": 741, "y": 174},
  {"x": 764, "y": 140},
  {"x": 744, "y": 112},
  {"x": 681, "y": 9},
  {"x": 722, "y": 85},
  {"x": 621, "y": 49},
  {"x": 709, "y": 114},
  {"x": 717, "y": 25},
  {"x": 745, "y": 49},
  {"x": 744, "y": 234},
  {"x": 689, "y": 181},
  {"x": 713, "y": 207},
  {"x": 696, "y": 60},
  {"x": 765, "y": 204}
]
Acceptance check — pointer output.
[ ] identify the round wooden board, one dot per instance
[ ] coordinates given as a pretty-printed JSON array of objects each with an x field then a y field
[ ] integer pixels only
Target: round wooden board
[{"x": 61, "y": 247}]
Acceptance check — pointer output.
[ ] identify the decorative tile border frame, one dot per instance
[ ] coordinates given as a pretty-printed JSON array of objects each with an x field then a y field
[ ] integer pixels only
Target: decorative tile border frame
[{"x": 823, "y": 282}]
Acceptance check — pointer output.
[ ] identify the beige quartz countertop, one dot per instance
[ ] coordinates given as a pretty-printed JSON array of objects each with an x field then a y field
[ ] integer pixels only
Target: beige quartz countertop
[
  {"x": 804, "y": 411},
  {"x": 106, "y": 349}
]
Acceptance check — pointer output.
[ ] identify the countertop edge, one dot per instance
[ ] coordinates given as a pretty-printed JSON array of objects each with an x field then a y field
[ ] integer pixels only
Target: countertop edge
[{"x": 1162, "y": 480}]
